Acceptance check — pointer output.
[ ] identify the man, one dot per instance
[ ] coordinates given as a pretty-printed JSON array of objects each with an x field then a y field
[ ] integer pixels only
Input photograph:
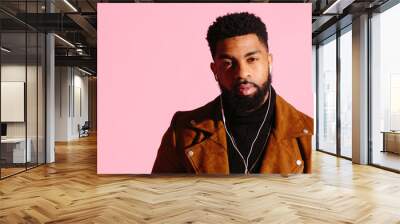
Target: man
[{"x": 248, "y": 128}]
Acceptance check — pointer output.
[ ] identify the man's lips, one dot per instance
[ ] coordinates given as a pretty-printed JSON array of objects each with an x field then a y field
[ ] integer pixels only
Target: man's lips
[{"x": 246, "y": 89}]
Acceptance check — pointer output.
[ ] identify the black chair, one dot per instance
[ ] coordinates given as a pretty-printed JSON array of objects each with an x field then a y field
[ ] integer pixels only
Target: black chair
[{"x": 84, "y": 130}]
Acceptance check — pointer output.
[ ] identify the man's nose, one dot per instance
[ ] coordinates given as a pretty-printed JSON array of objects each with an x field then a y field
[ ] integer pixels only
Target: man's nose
[{"x": 242, "y": 71}]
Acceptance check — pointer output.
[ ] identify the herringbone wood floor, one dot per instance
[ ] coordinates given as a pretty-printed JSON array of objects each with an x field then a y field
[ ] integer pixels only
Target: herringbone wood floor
[{"x": 70, "y": 191}]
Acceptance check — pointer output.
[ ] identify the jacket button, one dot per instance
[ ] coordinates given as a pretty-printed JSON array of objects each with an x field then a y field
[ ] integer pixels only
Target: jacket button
[
  {"x": 305, "y": 131},
  {"x": 190, "y": 153},
  {"x": 298, "y": 162}
]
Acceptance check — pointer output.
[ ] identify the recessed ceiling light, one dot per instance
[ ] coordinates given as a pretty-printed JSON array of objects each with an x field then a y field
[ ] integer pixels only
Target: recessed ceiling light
[
  {"x": 5, "y": 50},
  {"x": 64, "y": 40},
  {"x": 70, "y": 5},
  {"x": 84, "y": 71},
  {"x": 337, "y": 7}
]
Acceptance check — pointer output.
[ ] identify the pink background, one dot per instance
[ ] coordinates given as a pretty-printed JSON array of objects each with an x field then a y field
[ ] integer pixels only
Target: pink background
[{"x": 153, "y": 60}]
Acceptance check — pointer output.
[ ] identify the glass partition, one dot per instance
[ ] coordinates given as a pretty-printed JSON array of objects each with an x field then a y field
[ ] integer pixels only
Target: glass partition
[
  {"x": 22, "y": 77},
  {"x": 14, "y": 153},
  {"x": 41, "y": 107},
  {"x": 385, "y": 89},
  {"x": 32, "y": 95},
  {"x": 327, "y": 95},
  {"x": 346, "y": 93}
]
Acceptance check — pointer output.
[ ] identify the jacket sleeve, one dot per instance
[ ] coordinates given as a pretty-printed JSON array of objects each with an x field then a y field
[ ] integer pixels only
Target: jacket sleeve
[
  {"x": 305, "y": 143},
  {"x": 306, "y": 150},
  {"x": 168, "y": 159}
]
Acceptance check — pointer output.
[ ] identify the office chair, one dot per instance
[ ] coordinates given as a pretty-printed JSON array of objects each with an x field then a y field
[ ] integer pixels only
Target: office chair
[{"x": 84, "y": 130}]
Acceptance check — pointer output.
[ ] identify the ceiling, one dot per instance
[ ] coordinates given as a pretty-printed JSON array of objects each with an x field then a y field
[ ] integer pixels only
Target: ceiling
[{"x": 76, "y": 22}]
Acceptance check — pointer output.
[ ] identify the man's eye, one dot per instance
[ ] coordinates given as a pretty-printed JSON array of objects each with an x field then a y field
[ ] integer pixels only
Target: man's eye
[
  {"x": 227, "y": 63},
  {"x": 251, "y": 59}
]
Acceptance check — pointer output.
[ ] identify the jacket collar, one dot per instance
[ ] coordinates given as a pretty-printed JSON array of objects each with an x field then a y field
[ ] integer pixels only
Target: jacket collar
[
  {"x": 288, "y": 121},
  {"x": 210, "y": 155}
]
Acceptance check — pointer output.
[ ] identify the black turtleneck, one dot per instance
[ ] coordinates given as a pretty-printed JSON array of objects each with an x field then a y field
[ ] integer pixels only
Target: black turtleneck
[{"x": 244, "y": 128}]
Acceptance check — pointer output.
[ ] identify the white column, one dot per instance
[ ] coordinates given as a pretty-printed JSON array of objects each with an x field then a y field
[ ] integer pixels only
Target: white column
[
  {"x": 50, "y": 93},
  {"x": 360, "y": 89},
  {"x": 50, "y": 110}
]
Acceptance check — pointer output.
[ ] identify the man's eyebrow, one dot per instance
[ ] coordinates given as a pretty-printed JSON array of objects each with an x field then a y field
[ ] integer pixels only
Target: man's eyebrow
[
  {"x": 223, "y": 56},
  {"x": 251, "y": 53}
]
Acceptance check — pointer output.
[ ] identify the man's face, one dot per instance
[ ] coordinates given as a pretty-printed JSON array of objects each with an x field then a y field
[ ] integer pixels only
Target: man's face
[{"x": 241, "y": 68}]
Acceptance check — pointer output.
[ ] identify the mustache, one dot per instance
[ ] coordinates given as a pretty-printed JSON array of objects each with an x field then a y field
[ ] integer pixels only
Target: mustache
[{"x": 236, "y": 84}]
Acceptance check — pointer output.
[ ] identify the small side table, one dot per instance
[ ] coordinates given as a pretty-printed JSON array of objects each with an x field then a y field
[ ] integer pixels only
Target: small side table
[{"x": 391, "y": 141}]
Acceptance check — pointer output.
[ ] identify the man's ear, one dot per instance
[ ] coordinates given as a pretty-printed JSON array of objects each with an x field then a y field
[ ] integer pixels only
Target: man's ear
[
  {"x": 269, "y": 58},
  {"x": 269, "y": 63},
  {"x": 214, "y": 70}
]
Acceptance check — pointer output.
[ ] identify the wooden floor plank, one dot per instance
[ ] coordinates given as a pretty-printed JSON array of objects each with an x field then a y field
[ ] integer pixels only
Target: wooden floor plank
[{"x": 70, "y": 191}]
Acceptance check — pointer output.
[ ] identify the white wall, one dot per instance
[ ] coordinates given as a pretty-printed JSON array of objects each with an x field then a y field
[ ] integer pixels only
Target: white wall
[
  {"x": 81, "y": 102},
  {"x": 71, "y": 94},
  {"x": 62, "y": 81}
]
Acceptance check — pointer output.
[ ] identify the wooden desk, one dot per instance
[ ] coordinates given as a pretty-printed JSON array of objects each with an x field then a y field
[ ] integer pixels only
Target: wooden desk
[
  {"x": 13, "y": 150},
  {"x": 391, "y": 141}
]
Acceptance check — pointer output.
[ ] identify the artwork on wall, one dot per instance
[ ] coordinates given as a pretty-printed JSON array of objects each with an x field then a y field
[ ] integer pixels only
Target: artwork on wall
[{"x": 12, "y": 101}]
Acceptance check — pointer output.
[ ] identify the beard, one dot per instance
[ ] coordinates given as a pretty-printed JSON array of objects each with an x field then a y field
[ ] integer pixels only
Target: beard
[{"x": 242, "y": 105}]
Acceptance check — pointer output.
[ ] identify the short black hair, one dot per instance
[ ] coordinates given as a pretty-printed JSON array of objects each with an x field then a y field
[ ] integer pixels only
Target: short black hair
[{"x": 235, "y": 24}]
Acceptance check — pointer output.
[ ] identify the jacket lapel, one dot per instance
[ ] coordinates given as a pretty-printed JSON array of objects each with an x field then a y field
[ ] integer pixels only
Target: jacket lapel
[
  {"x": 210, "y": 154},
  {"x": 280, "y": 157}
]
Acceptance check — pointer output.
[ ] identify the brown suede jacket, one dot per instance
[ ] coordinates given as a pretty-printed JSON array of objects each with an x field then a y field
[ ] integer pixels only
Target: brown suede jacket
[{"x": 196, "y": 142}]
